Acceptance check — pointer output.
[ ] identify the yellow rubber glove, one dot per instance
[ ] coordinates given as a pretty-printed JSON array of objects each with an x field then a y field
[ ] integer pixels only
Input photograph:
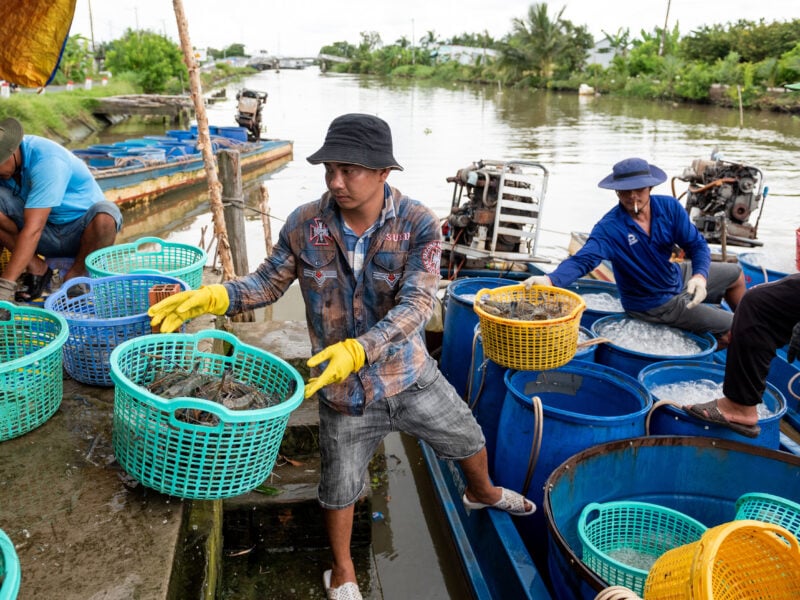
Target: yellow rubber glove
[
  {"x": 169, "y": 314},
  {"x": 343, "y": 358},
  {"x": 697, "y": 290}
]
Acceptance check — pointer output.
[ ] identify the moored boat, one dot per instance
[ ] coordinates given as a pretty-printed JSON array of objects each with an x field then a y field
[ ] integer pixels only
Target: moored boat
[{"x": 142, "y": 169}]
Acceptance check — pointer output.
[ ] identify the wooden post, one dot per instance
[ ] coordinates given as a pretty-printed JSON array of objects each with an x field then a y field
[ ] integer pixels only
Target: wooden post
[
  {"x": 264, "y": 208},
  {"x": 265, "y": 223},
  {"x": 230, "y": 173},
  {"x": 204, "y": 143}
]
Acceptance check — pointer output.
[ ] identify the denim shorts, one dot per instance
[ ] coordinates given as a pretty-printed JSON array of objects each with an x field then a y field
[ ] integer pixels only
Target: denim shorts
[
  {"x": 705, "y": 317},
  {"x": 430, "y": 410},
  {"x": 63, "y": 239}
]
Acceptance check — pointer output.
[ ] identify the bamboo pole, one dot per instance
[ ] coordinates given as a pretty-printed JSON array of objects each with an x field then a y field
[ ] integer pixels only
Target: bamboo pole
[
  {"x": 264, "y": 208},
  {"x": 204, "y": 143}
]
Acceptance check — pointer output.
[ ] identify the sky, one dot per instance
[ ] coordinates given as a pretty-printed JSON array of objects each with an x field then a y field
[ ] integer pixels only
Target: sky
[{"x": 301, "y": 27}]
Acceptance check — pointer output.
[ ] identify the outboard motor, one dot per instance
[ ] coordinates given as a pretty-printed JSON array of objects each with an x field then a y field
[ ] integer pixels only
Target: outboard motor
[
  {"x": 721, "y": 199},
  {"x": 248, "y": 111}
]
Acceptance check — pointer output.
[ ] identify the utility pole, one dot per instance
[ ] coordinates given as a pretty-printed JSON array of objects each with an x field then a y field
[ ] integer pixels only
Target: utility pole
[
  {"x": 664, "y": 31},
  {"x": 413, "y": 45}
]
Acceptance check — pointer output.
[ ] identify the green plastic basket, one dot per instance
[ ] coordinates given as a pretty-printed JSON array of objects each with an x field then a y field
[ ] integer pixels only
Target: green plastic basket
[
  {"x": 231, "y": 456},
  {"x": 9, "y": 569},
  {"x": 31, "y": 377},
  {"x": 630, "y": 529},
  {"x": 769, "y": 509},
  {"x": 150, "y": 255}
]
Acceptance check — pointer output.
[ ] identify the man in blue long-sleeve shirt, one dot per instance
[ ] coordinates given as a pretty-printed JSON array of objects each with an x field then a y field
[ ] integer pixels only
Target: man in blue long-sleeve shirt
[{"x": 638, "y": 236}]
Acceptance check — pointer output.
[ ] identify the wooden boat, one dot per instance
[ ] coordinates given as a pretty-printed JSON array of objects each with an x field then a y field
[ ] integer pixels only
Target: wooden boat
[{"x": 142, "y": 169}]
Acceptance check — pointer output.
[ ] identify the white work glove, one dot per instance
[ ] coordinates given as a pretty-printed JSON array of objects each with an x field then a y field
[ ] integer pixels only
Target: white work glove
[
  {"x": 696, "y": 288},
  {"x": 537, "y": 280},
  {"x": 7, "y": 289}
]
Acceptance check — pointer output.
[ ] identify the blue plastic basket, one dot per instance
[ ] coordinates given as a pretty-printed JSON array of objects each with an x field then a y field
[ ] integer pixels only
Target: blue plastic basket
[
  {"x": 646, "y": 529},
  {"x": 31, "y": 378},
  {"x": 9, "y": 569},
  {"x": 150, "y": 255},
  {"x": 231, "y": 455},
  {"x": 112, "y": 310},
  {"x": 770, "y": 509}
]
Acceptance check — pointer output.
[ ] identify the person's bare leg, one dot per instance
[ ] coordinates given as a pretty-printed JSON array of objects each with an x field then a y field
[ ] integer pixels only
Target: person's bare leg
[
  {"x": 101, "y": 233},
  {"x": 339, "y": 525},
  {"x": 479, "y": 486},
  {"x": 733, "y": 295}
]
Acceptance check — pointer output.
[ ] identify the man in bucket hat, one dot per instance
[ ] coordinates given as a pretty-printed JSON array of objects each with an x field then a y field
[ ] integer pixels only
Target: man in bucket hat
[
  {"x": 367, "y": 260},
  {"x": 638, "y": 236},
  {"x": 51, "y": 206}
]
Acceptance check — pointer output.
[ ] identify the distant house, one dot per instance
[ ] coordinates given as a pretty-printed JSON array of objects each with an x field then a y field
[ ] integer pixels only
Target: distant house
[
  {"x": 601, "y": 54},
  {"x": 466, "y": 55}
]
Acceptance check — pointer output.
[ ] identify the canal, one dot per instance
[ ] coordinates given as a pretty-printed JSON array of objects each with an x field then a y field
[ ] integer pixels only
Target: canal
[{"x": 438, "y": 130}]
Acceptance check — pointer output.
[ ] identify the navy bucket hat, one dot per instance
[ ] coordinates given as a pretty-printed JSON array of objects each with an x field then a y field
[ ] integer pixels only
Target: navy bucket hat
[
  {"x": 633, "y": 174},
  {"x": 358, "y": 139},
  {"x": 10, "y": 137}
]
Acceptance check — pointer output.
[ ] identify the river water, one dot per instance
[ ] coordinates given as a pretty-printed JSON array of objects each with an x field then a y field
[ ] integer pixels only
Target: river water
[{"x": 438, "y": 130}]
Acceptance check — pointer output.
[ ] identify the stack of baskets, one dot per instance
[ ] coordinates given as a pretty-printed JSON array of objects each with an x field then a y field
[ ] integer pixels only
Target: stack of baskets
[
  {"x": 31, "y": 379},
  {"x": 618, "y": 537},
  {"x": 227, "y": 454},
  {"x": 9, "y": 569},
  {"x": 111, "y": 311},
  {"x": 150, "y": 255},
  {"x": 769, "y": 509},
  {"x": 530, "y": 345}
]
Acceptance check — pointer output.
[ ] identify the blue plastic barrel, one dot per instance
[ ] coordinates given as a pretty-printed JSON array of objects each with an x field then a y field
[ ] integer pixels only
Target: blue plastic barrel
[
  {"x": 459, "y": 326},
  {"x": 583, "y": 404},
  {"x": 754, "y": 273},
  {"x": 594, "y": 286},
  {"x": 485, "y": 393},
  {"x": 234, "y": 133},
  {"x": 670, "y": 420},
  {"x": 698, "y": 476},
  {"x": 632, "y": 362}
]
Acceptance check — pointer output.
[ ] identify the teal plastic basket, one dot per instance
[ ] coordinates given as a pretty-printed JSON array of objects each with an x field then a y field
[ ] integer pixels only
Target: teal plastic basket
[
  {"x": 231, "y": 455},
  {"x": 113, "y": 309},
  {"x": 31, "y": 365},
  {"x": 770, "y": 509},
  {"x": 637, "y": 532},
  {"x": 150, "y": 255},
  {"x": 10, "y": 574}
]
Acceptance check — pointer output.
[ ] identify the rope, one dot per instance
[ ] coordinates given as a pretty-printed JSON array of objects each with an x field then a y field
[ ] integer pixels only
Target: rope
[
  {"x": 791, "y": 383},
  {"x": 656, "y": 405},
  {"x": 536, "y": 443},
  {"x": 617, "y": 592}
]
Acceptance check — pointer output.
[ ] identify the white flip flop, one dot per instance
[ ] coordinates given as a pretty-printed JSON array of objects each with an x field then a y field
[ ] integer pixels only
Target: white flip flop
[
  {"x": 510, "y": 502},
  {"x": 346, "y": 591}
]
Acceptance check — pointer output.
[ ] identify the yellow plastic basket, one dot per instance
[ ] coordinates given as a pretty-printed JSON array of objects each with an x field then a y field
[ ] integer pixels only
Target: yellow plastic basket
[
  {"x": 740, "y": 560},
  {"x": 530, "y": 345}
]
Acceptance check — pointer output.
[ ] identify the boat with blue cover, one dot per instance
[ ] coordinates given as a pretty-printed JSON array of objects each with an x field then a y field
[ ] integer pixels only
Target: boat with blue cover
[{"x": 142, "y": 169}]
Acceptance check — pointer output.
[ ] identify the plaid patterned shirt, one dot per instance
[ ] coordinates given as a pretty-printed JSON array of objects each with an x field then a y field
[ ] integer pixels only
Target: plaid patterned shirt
[{"x": 385, "y": 306}]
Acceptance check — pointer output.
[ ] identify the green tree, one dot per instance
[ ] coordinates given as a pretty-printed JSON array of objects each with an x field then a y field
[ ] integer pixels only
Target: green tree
[
  {"x": 151, "y": 58},
  {"x": 76, "y": 60},
  {"x": 541, "y": 38}
]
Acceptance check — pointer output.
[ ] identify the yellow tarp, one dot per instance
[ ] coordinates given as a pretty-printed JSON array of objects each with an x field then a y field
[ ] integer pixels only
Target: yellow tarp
[{"x": 32, "y": 35}]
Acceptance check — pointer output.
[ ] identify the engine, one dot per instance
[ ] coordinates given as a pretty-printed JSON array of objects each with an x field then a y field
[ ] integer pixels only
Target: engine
[
  {"x": 722, "y": 198},
  {"x": 495, "y": 209}
]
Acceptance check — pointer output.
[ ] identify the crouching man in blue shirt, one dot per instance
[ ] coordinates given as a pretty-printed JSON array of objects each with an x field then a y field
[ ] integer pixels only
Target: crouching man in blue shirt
[
  {"x": 637, "y": 236},
  {"x": 50, "y": 205}
]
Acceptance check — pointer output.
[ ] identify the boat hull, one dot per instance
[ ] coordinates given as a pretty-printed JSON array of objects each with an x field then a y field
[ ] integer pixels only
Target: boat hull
[{"x": 130, "y": 186}]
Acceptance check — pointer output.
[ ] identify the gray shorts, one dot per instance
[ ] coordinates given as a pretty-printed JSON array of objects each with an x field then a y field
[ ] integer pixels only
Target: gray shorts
[
  {"x": 706, "y": 317},
  {"x": 430, "y": 410},
  {"x": 59, "y": 240}
]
